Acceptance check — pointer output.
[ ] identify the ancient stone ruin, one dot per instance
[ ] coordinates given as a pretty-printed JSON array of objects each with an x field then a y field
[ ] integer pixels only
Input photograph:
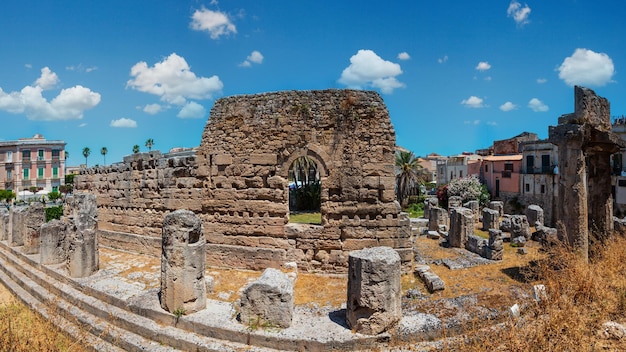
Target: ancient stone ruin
[
  {"x": 585, "y": 144},
  {"x": 183, "y": 288},
  {"x": 81, "y": 240},
  {"x": 374, "y": 293},
  {"x": 238, "y": 183},
  {"x": 268, "y": 301}
]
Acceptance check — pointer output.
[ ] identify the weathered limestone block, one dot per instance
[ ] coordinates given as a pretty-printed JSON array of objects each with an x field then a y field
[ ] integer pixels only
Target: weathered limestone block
[
  {"x": 474, "y": 205},
  {"x": 497, "y": 205},
  {"x": 438, "y": 216},
  {"x": 5, "y": 217},
  {"x": 81, "y": 212},
  {"x": 374, "y": 292},
  {"x": 455, "y": 202},
  {"x": 52, "y": 249},
  {"x": 430, "y": 202},
  {"x": 461, "y": 227},
  {"x": 505, "y": 223},
  {"x": 17, "y": 221},
  {"x": 546, "y": 235},
  {"x": 534, "y": 213},
  {"x": 34, "y": 218},
  {"x": 495, "y": 246},
  {"x": 183, "y": 263},
  {"x": 476, "y": 244},
  {"x": 268, "y": 300},
  {"x": 520, "y": 226},
  {"x": 432, "y": 281},
  {"x": 491, "y": 219}
]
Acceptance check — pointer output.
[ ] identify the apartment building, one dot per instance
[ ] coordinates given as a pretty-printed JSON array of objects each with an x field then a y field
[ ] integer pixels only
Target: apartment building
[{"x": 32, "y": 163}]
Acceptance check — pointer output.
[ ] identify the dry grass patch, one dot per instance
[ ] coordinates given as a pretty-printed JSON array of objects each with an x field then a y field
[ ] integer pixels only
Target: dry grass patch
[{"x": 324, "y": 290}]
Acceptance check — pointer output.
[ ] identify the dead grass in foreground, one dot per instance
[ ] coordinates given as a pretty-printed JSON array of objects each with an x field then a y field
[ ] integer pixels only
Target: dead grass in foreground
[
  {"x": 580, "y": 298},
  {"x": 24, "y": 330}
]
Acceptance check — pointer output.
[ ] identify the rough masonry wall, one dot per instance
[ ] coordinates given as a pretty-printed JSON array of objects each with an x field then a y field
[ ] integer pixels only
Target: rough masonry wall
[{"x": 237, "y": 182}]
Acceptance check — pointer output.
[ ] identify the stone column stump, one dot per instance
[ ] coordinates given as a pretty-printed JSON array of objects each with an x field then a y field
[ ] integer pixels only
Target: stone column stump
[
  {"x": 374, "y": 293},
  {"x": 491, "y": 219},
  {"x": 35, "y": 216},
  {"x": 52, "y": 249},
  {"x": 183, "y": 261},
  {"x": 16, "y": 233},
  {"x": 534, "y": 213},
  {"x": 81, "y": 213},
  {"x": 474, "y": 205},
  {"x": 461, "y": 227},
  {"x": 268, "y": 300},
  {"x": 497, "y": 205},
  {"x": 437, "y": 217},
  {"x": 454, "y": 202},
  {"x": 5, "y": 217}
]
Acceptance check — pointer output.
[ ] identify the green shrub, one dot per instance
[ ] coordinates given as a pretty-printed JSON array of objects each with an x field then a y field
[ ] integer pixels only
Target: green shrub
[{"x": 54, "y": 213}]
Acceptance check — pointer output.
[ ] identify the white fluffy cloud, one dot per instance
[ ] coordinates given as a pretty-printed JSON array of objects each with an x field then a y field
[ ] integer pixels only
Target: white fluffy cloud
[
  {"x": 69, "y": 104},
  {"x": 473, "y": 102},
  {"x": 255, "y": 57},
  {"x": 483, "y": 66},
  {"x": 215, "y": 22},
  {"x": 369, "y": 70},
  {"x": 124, "y": 123},
  {"x": 48, "y": 79},
  {"x": 518, "y": 12},
  {"x": 474, "y": 122},
  {"x": 152, "y": 109},
  {"x": 192, "y": 110},
  {"x": 173, "y": 81},
  {"x": 404, "y": 56},
  {"x": 508, "y": 106},
  {"x": 537, "y": 105},
  {"x": 443, "y": 59},
  {"x": 541, "y": 80},
  {"x": 586, "y": 67}
]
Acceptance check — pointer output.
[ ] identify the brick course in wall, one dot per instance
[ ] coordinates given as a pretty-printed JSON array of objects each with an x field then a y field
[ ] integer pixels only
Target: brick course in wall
[{"x": 237, "y": 182}]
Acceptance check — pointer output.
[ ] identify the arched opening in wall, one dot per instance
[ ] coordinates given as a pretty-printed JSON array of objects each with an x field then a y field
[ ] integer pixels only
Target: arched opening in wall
[{"x": 305, "y": 191}]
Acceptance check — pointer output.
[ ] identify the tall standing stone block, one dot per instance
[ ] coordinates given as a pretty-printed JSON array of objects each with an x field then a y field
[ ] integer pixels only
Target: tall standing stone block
[
  {"x": 474, "y": 205},
  {"x": 534, "y": 213},
  {"x": 17, "y": 227},
  {"x": 52, "y": 249},
  {"x": 497, "y": 205},
  {"x": 35, "y": 216},
  {"x": 183, "y": 262},
  {"x": 520, "y": 226},
  {"x": 374, "y": 293},
  {"x": 461, "y": 227},
  {"x": 437, "y": 217},
  {"x": 455, "y": 202},
  {"x": 5, "y": 217},
  {"x": 491, "y": 219},
  {"x": 429, "y": 203},
  {"x": 81, "y": 213},
  {"x": 268, "y": 300}
]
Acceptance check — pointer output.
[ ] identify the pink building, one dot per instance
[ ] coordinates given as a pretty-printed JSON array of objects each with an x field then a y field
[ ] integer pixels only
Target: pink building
[
  {"x": 32, "y": 162},
  {"x": 502, "y": 175}
]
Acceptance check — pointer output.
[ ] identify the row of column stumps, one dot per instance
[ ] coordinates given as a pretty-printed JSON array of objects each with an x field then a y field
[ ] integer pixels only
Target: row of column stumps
[
  {"x": 374, "y": 292},
  {"x": 71, "y": 240}
]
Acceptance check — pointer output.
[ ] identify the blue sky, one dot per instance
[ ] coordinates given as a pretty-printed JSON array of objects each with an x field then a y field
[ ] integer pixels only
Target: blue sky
[{"x": 455, "y": 75}]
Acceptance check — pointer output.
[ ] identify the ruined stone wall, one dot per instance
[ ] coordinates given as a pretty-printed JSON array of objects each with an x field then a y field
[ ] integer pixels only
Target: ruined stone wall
[{"x": 238, "y": 182}]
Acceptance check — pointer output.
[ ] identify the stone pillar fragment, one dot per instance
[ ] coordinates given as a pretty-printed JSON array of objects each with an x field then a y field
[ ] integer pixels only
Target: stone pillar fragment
[
  {"x": 497, "y": 205},
  {"x": 52, "y": 249},
  {"x": 35, "y": 216},
  {"x": 600, "y": 196},
  {"x": 491, "y": 219},
  {"x": 473, "y": 205},
  {"x": 534, "y": 213},
  {"x": 5, "y": 217},
  {"x": 81, "y": 213},
  {"x": 183, "y": 262},
  {"x": 268, "y": 300},
  {"x": 374, "y": 292},
  {"x": 438, "y": 217},
  {"x": 495, "y": 246},
  {"x": 461, "y": 227},
  {"x": 520, "y": 226},
  {"x": 454, "y": 202},
  {"x": 429, "y": 203},
  {"x": 18, "y": 217}
]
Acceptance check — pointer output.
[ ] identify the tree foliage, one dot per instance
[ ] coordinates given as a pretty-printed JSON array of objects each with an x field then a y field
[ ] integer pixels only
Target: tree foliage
[
  {"x": 468, "y": 188},
  {"x": 149, "y": 144},
  {"x": 409, "y": 175},
  {"x": 104, "y": 152},
  {"x": 306, "y": 188},
  {"x": 86, "y": 152},
  {"x": 135, "y": 149},
  {"x": 6, "y": 195}
]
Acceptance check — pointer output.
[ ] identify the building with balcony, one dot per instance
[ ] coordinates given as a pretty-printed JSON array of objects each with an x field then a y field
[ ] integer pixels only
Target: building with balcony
[
  {"x": 29, "y": 163},
  {"x": 539, "y": 179}
]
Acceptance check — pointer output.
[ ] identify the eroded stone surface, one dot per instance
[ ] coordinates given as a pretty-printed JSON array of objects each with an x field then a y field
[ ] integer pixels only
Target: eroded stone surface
[
  {"x": 374, "y": 292},
  {"x": 53, "y": 247},
  {"x": 268, "y": 301},
  {"x": 5, "y": 218},
  {"x": 491, "y": 219},
  {"x": 534, "y": 213},
  {"x": 437, "y": 217},
  {"x": 183, "y": 262},
  {"x": 461, "y": 227},
  {"x": 81, "y": 213},
  {"x": 34, "y": 217}
]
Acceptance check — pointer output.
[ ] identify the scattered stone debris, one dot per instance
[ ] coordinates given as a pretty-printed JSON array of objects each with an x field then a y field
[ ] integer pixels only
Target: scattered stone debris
[
  {"x": 268, "y": 301},
  {"x": 432, "y": 281}
]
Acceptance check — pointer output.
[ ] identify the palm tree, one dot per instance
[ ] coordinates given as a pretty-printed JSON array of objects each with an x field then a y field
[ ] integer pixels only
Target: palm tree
[
  {"x": 104, "y": 152},
  {"x": 86, "y": 152},
  {"x": 135, "y": 149},
  {"x": 408, "y": 175},
  {"x": 149, "y": 143}
]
